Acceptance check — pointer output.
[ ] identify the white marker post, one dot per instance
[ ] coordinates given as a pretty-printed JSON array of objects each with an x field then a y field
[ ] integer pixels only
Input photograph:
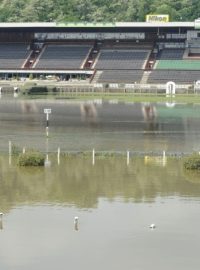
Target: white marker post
[
  {"x": 164, "y": 159},
  {"x": 47, "y": 112},
  {"x": 47, "y": 162},
  {"x": 10, "y": 152},
  {"x": 58, "y": 156},
  {"x": 93, "y": 157},
  {"x": 128, "y": 158},
  {"x": 15, "y": 92}
]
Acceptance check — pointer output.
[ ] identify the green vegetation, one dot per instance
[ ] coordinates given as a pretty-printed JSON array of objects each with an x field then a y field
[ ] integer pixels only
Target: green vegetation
[
  {"x": 31, "y": 158},
  {"x": 95, "y": 11},
  {"x": 31, "y": 88},
  {"x": 192, "y": 162}
]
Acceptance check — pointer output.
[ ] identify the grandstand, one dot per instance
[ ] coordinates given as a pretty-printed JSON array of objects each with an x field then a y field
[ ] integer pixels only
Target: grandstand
[
  {"x": 121, "y": 76},
  {"x": 13, "y": 55},
  {"x": 56, "y": 56},
  {"x": 121, "y": 59},
  {"x": 145, "y": 53},
  {"x": 178, "y": 76}
]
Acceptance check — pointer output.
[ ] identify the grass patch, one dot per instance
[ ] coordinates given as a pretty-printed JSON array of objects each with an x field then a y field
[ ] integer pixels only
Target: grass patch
[
  {"x": 31, "y": 158},
  {"x": 192, "y": 162}
]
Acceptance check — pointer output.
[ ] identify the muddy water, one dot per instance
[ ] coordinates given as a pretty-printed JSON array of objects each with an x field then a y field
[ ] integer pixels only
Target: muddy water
[
  {"x": 115, "y": 204},
  {"x": 117, "y": 126}
]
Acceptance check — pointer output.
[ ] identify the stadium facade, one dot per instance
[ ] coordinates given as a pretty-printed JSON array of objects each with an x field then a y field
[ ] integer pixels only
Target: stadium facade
[{"x": 102, "y": 53}]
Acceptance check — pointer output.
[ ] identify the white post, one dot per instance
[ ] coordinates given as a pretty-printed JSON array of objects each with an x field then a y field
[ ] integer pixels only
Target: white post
[
  {"x": 15, "y": 92},
  {"x": 10, "y": 152},
  {"x": 10, "y": 148},
  {"x": 47, "y": 125},
  {"x": 164, "y": 161},
  {"x": 47, "y": 112},
  {"x": 58, "y": 155},
  {"x": 47, "y": 163},
  {"x": 93, "y": 157},
  {"x": 24, "y": 150},
  {"x": 128, "y": 157},
  {"x": 163, "y": 154},
  {"x": 47, "y": 131}
]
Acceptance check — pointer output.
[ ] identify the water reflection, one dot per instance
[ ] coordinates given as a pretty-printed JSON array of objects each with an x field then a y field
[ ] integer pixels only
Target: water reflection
[
  {"x": 1, "y": 224},
  {"x": 1, "y": 221},
  {"x": 88, "y": 113},
  {"x": 83, "y": 187},
  {"x": 81, "y": 125}
]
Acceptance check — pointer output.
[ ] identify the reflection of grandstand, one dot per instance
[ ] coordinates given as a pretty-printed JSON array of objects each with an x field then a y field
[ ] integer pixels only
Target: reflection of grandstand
[{"x": 102, "y": 53}]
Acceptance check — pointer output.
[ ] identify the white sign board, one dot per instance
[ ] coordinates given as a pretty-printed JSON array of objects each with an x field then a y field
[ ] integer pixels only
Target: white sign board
[{"x": 48, "y": 111}]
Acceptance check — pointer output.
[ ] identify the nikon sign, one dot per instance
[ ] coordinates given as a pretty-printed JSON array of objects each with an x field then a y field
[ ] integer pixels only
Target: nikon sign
[{"x": 157, "y": 18}]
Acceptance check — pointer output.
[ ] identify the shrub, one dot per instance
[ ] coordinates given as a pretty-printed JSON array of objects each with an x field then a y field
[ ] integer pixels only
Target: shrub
[
  {"x": 37, "y": 90},
  {"x": 31, "y": 158},
  {"x": 192, "y": 162},
  {"x": 15, "y": 150}
]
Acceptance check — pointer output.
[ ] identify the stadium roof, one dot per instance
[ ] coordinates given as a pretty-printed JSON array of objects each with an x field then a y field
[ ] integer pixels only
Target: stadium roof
[{"x": 89, "y": 25}]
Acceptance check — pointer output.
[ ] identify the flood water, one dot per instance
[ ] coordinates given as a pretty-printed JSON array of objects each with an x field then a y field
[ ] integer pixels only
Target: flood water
[
  {"x": 106, "y": 126},
  {"x": 115, "y": 203}
]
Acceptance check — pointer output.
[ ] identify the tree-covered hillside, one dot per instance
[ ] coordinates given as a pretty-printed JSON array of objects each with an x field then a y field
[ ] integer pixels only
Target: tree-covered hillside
[{"x": 96, "y": 10}]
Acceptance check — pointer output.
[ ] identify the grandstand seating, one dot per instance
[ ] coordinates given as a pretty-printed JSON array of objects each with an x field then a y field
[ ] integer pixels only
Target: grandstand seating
[
  {"x": 179, "y": 64},
  {"x": 173, "y": 54},
  {"x": 13, "y": 55},
  {"x": 177, "y": 76},
  {"x": 172, "y": 59},
  {"x": 120, "y": 76},
  {"x": 121, "y": 59},
  {"x": 63, "y": 56}
]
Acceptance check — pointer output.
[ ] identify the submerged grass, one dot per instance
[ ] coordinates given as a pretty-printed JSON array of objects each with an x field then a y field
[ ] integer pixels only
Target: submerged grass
[{"x": 121, "y": 97}]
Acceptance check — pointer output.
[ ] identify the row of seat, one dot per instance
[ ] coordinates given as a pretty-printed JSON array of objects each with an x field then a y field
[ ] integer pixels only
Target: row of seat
[
  {"x": 154, "y": 76},
  {"x": 13, "y": 55},
  {"x": 121, "y": 76},
  {"x": 177, "y": 76},
  {"x": 167, "y": 54},
  {"x": 63, "y": 56},
  {"x": 121, "y": 59}
]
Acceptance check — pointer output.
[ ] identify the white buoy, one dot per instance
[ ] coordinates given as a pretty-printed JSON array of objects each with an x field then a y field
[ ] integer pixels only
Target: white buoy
[
  {"x": 152, "y": 226},
  {"x": 76, "y": 227},
  {"x": 75, "y": 219}
]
